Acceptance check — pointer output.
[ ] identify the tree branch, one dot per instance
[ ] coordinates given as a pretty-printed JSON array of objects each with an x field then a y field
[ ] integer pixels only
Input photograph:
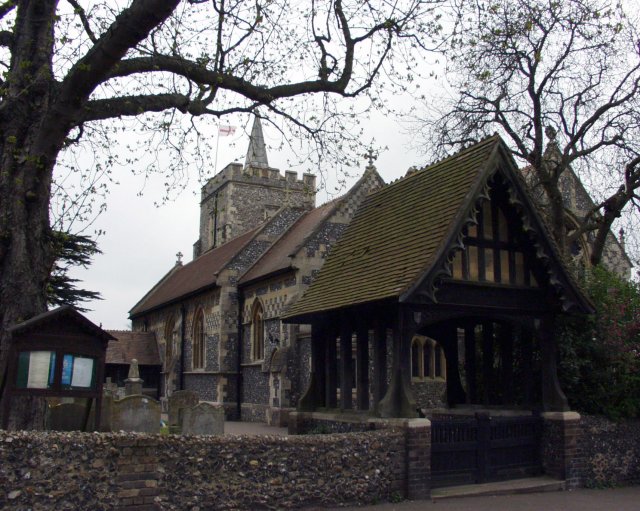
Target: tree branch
[
  {"x": 7, "y": 7},
  {"x": 199, "y": 74},
  {"x": 83, "y": 18},
  {"x": 6, "y": 38},
  {"x": 101, "y": 109},
  {"x": 130, "y": 27}
]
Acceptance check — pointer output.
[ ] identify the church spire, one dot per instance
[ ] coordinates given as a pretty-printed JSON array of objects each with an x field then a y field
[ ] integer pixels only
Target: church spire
[{"x": 257, "y": 152}]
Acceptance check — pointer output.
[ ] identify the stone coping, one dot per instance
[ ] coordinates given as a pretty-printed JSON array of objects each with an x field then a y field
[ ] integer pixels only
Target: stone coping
[
  {"x": 362, "y": 418},
  {"x": 472, "y": 410}
]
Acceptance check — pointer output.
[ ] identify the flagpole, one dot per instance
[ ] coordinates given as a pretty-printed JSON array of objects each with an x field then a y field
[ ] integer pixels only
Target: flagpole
[{"x": 215, "y": 160}]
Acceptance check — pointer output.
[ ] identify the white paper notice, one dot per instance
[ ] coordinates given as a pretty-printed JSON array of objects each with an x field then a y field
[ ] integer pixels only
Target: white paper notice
[
  {"x": 82, "y": 371},
  {"x": 38, "y": 369}
]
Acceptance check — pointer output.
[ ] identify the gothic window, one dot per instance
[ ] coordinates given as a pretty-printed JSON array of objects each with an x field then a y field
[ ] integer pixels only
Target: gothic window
[
  {"x": 427, "y": 359},
  {"x": 257, "y": 332},
  {"x": 493, "y": 251},
  {"x": 169, "y": 344},
  {"x": 198, "y": 341}
]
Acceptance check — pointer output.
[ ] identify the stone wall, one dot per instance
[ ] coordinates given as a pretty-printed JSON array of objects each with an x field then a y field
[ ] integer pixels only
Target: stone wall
[
  {"x": 119, "y": 471},
  {"x": 270, "y": 472},
  {"x": 42, "y": 471},
  {"x": 611, "y": 452},
  {"x": 590, "y": 451},
  {"x": 242, "y": 199},
  {"x": 430, "y": 393}
]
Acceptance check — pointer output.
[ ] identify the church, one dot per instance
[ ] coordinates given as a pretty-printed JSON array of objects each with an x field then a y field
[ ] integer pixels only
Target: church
[
  {"x": 216, "y": 319},
  {"x": 435, "y": 287}
]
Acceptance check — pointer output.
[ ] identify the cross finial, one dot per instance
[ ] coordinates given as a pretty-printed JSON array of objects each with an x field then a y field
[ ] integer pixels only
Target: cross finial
[
  {"x": 179, "y": 258},
  {"x": 371, "y": 156}
]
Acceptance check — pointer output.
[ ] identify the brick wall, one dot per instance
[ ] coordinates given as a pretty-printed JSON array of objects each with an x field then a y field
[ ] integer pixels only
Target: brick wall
[
  {"x": 138, "y": 474},
  {"x": 561, "y": 454}
]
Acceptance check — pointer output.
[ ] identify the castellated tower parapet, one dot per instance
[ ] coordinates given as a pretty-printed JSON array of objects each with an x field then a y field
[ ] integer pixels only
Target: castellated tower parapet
[{"x": 240, "y": 198}]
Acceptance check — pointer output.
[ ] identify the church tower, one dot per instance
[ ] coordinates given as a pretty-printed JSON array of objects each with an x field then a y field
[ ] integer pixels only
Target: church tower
[{"x": 240, "y": 198}]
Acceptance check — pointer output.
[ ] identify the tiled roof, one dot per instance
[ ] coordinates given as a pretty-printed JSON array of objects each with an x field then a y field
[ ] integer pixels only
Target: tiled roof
[
  {"x": 196, "y": 275},
  {"x": 398, "y": 233},
  {"x": 129, "y": 345},
  {"x": 277, "y": 258},
  {"x": 64, "y": 313}
]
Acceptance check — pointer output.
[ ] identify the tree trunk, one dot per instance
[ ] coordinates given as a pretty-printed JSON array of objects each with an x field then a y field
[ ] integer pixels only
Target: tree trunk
[{"x": 27, "y": 157}]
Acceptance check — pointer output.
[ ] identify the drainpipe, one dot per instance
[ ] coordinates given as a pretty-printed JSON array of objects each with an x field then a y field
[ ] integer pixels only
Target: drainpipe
[
  {"x": 183, "y": 315},
  {"x": 239, "y": 356}
]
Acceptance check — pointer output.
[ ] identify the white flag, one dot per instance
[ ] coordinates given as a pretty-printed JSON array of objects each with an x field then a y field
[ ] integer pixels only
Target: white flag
[{"x": 224, "y": 131}]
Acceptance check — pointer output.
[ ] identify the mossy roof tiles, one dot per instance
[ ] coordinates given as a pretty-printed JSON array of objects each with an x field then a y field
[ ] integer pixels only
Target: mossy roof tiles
[
  {"x": 194, "y": 276},
  {"x": 129, "y": 345},
  {"x": 398, "y": 233}
]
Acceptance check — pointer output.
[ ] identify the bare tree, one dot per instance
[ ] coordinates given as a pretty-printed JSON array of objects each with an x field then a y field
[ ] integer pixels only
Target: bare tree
[
  {"x": 71, "y": 67},
  {"x": 568, "y": 70}
]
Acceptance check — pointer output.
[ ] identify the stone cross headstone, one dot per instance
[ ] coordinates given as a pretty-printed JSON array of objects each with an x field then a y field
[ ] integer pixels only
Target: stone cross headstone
[
  {"x": 178, "y": 401},
  {"x": 203, "y": 419}
]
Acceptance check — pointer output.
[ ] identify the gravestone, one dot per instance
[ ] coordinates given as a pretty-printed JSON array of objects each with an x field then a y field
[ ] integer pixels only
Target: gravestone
[
  {"x": 110, "y": 387},
  {"x": 203, "y": 419},
  {"x": 106, "y": 417},
  {"x": 67, "y": 417},
  {"x": 178, "y": 401},
  {"x": 133, "y": 383},
  {"x": 136, "y": 413}
]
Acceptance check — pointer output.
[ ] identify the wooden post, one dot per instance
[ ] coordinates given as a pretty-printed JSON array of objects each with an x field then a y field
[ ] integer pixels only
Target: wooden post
[
  {"x": 346, "y": 365},
  {"x": 526, "y": 342},
  {"x": 455, "y": 391},
  {"x": 506, "y": 355},
  {"x": 553, "y": 399},
  {"x": 362, "y": 366},
  {"x": 379, "y": 361},
  {"x": 470, "y": 363},
  {"x": 331, "y": 369},
  {"x": 487, "y": 363},
  {"x": 398, "y": 400}
]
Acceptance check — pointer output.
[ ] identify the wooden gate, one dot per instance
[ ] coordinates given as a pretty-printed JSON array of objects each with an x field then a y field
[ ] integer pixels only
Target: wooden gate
[{"x": 483, "y": 449}]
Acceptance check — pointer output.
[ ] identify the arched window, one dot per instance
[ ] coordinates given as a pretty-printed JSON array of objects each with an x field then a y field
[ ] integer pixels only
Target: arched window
[
  {"x": 198, "y": 340},
  {"x": 257, "y": 332},
  {"x": 427, "y": 359},
  {"x": 169, "y": 344}
]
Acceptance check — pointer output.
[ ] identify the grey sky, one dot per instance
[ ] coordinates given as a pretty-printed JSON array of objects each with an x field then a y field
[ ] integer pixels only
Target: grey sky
[{"x": 142, "y": 240}]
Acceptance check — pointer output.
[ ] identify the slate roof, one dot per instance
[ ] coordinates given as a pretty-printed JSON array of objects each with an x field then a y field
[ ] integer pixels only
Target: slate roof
[
  {"x": 129, "y": 345},
  {"x": 199, "y": 274},
  {"x": 279, "y": 257},
  {"x": 399, "y": 233}
]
